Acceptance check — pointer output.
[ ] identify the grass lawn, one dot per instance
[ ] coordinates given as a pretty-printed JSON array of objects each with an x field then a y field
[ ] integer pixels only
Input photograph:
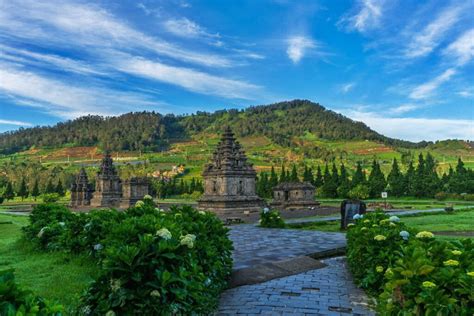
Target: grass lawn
[
  {"x": 459, "y": 222},
  {"x": 55, "y": 276}
]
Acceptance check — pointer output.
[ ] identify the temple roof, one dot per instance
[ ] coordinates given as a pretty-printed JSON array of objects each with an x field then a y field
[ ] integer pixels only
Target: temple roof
[
  {"x": 107, "y": 166},
  {"x": 229, "y": 155}
]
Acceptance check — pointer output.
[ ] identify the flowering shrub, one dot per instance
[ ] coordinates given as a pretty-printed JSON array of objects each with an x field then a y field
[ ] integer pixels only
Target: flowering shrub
[
  {"x": 16, "y": 301},
  {"x": 411, "y": 273},
  {"x": 153, "y": 262},
  {"x": 271, "y": 219}
]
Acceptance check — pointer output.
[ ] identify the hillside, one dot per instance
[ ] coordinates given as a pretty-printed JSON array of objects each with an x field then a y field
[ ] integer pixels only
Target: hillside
[{"x": 282, "y": 123}]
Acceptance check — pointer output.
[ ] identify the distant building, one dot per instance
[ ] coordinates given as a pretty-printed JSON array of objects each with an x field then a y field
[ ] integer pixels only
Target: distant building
[
  {"x": 229, "y": 181},
  {"x": 109, "y": 189},
  {"x": 294, "y": 196}
]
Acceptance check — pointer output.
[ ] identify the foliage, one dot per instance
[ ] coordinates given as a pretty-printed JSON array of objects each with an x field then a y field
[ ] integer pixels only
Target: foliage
[
  {"x": 360, "y": 192},
  {"x": 50, "y": 197},
  {"x": 271, "y": 219},
  {"x": 17, "y": 301},
  {"x": 411, "y": 272},
  {"x": 153, "y": 262}
]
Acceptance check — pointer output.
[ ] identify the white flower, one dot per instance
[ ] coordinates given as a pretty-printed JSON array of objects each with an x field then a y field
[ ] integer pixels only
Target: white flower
[
  {"x": 394, "y": 219},
  {"x": 148, "y": 197},
  {"x": 98, "y": 247},
  {"x": 155, "y": 293},
  {"x": 202, "y": 212},
  {"x": 62, "y": 224},
  {"x": 207, "y": 282},
  {"x": 139, "y": 204},
  {"x": 164, "y": 233},
  {"x": 41, "y": 232},
  {"x": 88, "y": 225},
  {"x": 188, "y": 240},
  {"x": 266, "y": 210},
  {"x": 404, "y": 234}
]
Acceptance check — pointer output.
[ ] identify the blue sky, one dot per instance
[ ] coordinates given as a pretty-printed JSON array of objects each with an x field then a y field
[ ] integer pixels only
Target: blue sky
[{"x": 405, "y": 68}]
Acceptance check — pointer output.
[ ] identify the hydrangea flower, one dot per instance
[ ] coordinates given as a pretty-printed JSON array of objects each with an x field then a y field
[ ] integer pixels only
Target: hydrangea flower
[
  {"x": 110, "y": 313},
  {"x": 350, "y": 224},
  {"x": 394, "y": 219},
  {"x": 98, "y": 247},
  {"x": 188, "y": 240},
  {"x": 470, "y": 273},
  {"x": 451, "y": 263},
  {"x": 393, "y": 224},
  {"x": 266, "y": 210},
  {"x": 115, "y": 285},
  {"x": 148, "y": 197},
  {"x": 379, "y": 269},
  {"x": 41, "y": 232},
  {"x": 456, "y": 252},
  {"x": 428, "y": 284},
  {"x": 202, "y": 213},
  {"x": 139, "y": 204},
  {"x": 155, "y": 293},
  {"x": 164, "y": 233},
  {"x": 366, "y": 221},
  {"x": 375, "y": 225},
  {"x": 357, "y": 216},
  {"x": 383, "y": 222},
  {"x": 157, "y": 210},
  {"x": 404, "y": 234},
  {"x": 389, "y": 273},
  {"x": 380, "y": 238},
  {"x": 363, "y": 228},
  {"x": 207, "y": 282},
  {"x": 424, "y": 234},
  {"x": 62, "y": 224}
]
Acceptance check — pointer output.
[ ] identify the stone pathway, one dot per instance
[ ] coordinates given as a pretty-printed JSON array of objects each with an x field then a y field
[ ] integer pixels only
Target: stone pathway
[
  {"x": 325, "y": 291},
  {"x": 254, "y": 245}
]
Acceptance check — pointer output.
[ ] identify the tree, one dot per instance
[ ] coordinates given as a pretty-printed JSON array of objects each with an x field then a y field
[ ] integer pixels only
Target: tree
[
  {"x": 419, "y": 177},
  {"x": 60, "y": 189},
  {"x": 308, "y": 175},
  {"x": 344, "y": 183},
  {"x": 294, "y": 174},
  {"x": 35, "y": 192},
  {"x": 396, "y": 180},
  {"x": 23, "y": 190},
  {"x": 273, "y": 181},
  {"x": 359, "y": 176},
  {"x": 49, "y": 187},
  {"x": 431, "y": 179},
  {"x": 9, "y": 193},
  {"x": 318, "y": 181},
  {"x": 410, "y": 180},
  {"x": 376, "y": 181},
  {"x": 329, "y": 188},
  {"x": 283, "y": 174}
]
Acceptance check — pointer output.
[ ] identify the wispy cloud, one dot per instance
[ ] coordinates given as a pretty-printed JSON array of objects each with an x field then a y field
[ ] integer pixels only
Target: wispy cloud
[
  {"x": 187, "y": 28},
  {"x": 366, "y": 16},
  {"x": 15, "y": 123},
  {"x": 404, "y": 108},
  {"x": 298, "y": 46},
  {"x": 462, "y": 49},
  {"x": 426, "y": 89},
  {"x": 415, "y": 129},
  {"x": 190, "y": 79},
  {"x": 424, "y": 42},
  {"x": 466, "y": 93},
  {"x": 347, "y": 87}
]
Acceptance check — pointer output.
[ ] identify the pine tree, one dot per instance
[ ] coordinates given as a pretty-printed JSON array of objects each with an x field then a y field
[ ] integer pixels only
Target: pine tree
[
  {"x": 431, "y": 179},
  {"x": 49, "y": 187},
  {"x": 192, "y": 186},
  {"x": 23, "y": 190},
  {"x": 344, "y": 183},
  {"x": 294, "y": 175},
  {"x": 359, "y": 176},
  {"x": 273, "y": 181},
  {"x": 308, "y": 175},
  {"x": 410, "y": 180},
  {"x": 329, "y": 188},
  {"x": 396, "y": 180},
  {"x": 419, "y": 178},
  {"x": 35, "y": 192},
  {"x": 283, "y": 174},
  {"x": 318, "y": 181},
  {"x": 9, "y": 193},
  {"x": 376, "y": 181},
  {"x": 335, "y": 175},
  {"x": 60, "y": 189}
]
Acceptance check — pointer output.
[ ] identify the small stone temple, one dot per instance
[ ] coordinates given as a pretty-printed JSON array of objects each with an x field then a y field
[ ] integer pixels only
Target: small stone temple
[
  {"x": 81, "y": 190},
  {"x": 229, "y": 181},
  {"x": 110, "y": 191},
  {"x": 294, "y": 196}
]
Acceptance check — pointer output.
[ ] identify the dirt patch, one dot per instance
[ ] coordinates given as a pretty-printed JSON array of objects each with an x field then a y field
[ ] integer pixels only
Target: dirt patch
[{"x": 375, "y": 150}]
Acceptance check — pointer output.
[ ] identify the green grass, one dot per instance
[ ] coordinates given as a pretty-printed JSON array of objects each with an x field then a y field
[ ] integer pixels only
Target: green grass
[{"x": 53, "y": 275}]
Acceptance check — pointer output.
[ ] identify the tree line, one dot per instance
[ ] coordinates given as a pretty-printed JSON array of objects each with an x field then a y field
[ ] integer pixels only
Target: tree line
[
  {"x": 23, "y": 190},
  {"x": 333, "y": 182}
]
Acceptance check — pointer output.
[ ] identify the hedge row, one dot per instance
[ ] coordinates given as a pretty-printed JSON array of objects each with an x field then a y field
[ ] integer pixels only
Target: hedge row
[
  {"x": 410, "y": 272},
  {"x": 152, "y": 262}
]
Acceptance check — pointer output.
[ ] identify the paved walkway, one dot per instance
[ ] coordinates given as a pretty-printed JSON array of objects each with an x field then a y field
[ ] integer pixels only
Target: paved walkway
[
  {"x": 254, "y": 245},
  {"x": 325, "y": 291}
]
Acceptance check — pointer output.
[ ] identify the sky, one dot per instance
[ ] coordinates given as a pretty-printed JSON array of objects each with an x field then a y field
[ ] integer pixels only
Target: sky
[{"x": 405, "y": 68}]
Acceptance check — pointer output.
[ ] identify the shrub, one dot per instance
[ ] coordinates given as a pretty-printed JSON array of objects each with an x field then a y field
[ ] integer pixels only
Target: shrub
[
  {"x": 271, "y": 219},
  {"x": 50, "y": 197},
  {"x": 16, "y": 301},
  {"x": 410, "y": 273},
  {"x": 360, "y": 192}
]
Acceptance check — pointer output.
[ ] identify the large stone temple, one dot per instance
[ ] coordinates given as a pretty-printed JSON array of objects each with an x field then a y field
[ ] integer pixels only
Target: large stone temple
[
  {"x": 229, "y": 182},
  {"x": 110, "y": 190}
]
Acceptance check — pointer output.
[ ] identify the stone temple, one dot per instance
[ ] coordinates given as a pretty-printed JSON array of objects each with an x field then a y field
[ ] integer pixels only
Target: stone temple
[
  {"x": 110, "y": 190},
  {"x": 229, "y": 182},
  {"x": 294, "y": 196}
]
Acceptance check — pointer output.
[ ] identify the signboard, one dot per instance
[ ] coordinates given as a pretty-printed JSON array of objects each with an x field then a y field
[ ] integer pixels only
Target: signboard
[
  {"x": 350, "y": 209},
  {"x": 384, "y": 195}
]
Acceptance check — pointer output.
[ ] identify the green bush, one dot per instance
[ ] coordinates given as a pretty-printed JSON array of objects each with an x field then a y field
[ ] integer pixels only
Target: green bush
[
  {"x": 50, "y": 197},
  {"x": 410, "y": 273},
  {"x": 360, "y": 192},
  {"x": 153, "y": 262},
  {"x": 271, "y": 219},
  {"x": 15, "y": 301}
]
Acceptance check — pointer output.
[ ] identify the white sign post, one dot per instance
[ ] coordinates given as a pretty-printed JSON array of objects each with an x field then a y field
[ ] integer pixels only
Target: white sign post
[{"x": 384, "y": 196}]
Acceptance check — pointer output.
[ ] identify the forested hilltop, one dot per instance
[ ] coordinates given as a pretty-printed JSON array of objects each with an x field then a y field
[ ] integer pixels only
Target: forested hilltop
[{"x": 150, "y": 131}]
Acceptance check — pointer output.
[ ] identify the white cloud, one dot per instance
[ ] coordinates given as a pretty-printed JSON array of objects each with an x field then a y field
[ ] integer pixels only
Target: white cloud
[
  {"x": 298, "y": 46},
  {"x": 467, "y": 93},
  {"x": 462, "y": 49},
  {"x": 404, "y": 108},
  {"x": 16, "y": 123},
  {"x": 368, "y": 15},
  {"x": 189, "y": 79},
  {"x": 415, "y": 129},
  {"x": 430, "y": 37},
  {"x": 347, "y": 87},
  {"x": 186, "y": 28},
  {"x": 64, "y": 100},
  {"x": 426, "y": 89}
]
